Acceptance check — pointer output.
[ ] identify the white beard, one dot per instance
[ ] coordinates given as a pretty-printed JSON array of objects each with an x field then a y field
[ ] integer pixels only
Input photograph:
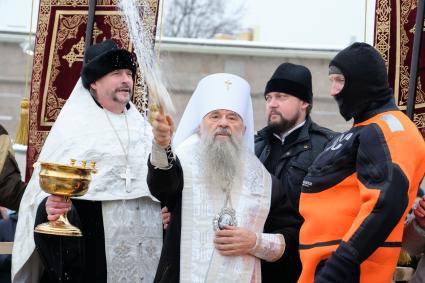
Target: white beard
[{"x": 222, "y": 161}]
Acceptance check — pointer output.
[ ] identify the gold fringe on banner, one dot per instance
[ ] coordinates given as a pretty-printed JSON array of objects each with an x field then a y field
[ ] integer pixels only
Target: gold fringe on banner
[
  {"x": 22, "y": 132},
  {"x": 23, "y": 129}
]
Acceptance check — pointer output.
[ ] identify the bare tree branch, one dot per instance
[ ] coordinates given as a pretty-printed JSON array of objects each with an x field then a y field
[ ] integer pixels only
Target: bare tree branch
[{"x": 201, "y": 18}]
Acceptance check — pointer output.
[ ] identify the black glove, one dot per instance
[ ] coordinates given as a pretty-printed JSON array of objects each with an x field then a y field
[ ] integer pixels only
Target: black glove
[{"x": 341, "y": 267}]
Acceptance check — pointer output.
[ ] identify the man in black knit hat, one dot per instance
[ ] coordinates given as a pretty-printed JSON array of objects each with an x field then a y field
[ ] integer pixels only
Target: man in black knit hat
[
  {"x": 288, "y": 145},
  {"x": 291, "y": 140},
  {"x": 357, "y": 192}
]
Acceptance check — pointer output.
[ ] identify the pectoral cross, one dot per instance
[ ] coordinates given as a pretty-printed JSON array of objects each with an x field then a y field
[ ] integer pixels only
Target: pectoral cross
[{"x": 127, "y": 176}]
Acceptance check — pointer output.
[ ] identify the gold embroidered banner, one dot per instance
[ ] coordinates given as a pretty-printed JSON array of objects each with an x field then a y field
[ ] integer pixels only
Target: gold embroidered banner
[
  {"x": 394, "y": 33},
  {"x": 59, "y": 53}
]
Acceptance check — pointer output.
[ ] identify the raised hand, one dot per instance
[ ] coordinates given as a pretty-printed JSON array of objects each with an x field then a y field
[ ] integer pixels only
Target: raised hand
[
  {"x": 419, "y": 212},
  {"x": 163, "y": 129}
]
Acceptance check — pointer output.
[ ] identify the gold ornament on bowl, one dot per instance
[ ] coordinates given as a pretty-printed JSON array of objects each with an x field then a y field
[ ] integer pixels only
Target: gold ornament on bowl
[{"x": 67, "y": 181}]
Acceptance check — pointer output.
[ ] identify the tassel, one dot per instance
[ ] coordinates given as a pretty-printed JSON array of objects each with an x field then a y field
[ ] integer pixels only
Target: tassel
[
  {"x": 22, "y": 131},
  {"x": 404, "y": 259}
]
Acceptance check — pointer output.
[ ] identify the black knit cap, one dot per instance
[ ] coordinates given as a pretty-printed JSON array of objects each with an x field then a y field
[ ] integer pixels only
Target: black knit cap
[
  {"x": 103, "y": 58},
  {"x": 366, "y": 79},
  {"x": 291, "y": 79}
]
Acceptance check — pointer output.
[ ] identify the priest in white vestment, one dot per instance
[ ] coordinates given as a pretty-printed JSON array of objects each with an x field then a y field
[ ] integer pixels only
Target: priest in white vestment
[
  {"x": 228, "y": 214},
  {"x": 119, "y": 218}
]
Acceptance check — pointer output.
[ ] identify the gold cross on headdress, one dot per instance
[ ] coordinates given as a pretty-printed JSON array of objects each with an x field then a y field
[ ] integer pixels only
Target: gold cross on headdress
[{"x": 228, "y": 84}]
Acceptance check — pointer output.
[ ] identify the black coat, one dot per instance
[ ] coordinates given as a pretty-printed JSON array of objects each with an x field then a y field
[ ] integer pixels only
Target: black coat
[
  {"x": 289, "y": 162},
  {"x": 167, "y": 186},
  {"x": 11, "y": 187}
]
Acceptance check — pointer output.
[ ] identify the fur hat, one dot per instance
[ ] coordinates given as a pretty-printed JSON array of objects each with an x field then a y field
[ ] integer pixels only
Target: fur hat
[
  {"x": 103, "y": 58},
  {"x": 291, "y": 79}
]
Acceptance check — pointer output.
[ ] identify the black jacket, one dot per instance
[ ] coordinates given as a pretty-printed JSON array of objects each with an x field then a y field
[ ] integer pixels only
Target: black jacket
[{"x": 289, "y": 162}]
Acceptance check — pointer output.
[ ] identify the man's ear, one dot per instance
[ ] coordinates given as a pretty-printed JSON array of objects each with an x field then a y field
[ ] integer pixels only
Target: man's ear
[
  {"x": 304, "y": 104},
  {"x": 93, "y": 86},
  {"x": 244, "y": 130}
]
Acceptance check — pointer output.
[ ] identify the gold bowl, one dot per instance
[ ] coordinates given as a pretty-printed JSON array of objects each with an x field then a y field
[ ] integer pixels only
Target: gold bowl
[{"x": 66, "y": 181}]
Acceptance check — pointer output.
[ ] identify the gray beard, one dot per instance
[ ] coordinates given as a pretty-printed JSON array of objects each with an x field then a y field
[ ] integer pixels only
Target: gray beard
[{"x": 222, "y": 161}]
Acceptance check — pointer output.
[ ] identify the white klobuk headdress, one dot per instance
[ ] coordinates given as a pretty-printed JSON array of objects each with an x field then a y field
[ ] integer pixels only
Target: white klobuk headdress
[{"x": 217, "y": 91}]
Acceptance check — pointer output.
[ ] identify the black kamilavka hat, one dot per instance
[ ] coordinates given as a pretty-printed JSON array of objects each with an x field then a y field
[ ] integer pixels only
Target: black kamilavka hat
[{"x": 291, "y": 79}]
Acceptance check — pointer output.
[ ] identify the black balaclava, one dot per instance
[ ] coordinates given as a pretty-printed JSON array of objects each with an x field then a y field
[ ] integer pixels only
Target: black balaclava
[{"x": 366, "y": 79}]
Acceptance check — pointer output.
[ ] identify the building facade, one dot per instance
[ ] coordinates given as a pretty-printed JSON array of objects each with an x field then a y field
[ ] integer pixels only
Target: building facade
[{"x": 183, "y": 63}]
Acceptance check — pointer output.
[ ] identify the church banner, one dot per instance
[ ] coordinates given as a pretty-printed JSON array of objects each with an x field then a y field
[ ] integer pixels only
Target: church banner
[
  {"x": 59, "y": 53},
  {"x": 394, "y": 33}
]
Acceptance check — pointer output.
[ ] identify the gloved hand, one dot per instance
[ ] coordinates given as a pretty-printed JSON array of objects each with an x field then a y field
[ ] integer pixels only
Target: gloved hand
[{"x": 341, "y": 267}]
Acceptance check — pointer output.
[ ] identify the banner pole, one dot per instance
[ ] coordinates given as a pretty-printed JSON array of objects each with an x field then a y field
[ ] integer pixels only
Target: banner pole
[
  {"x": 90, "y": 23},
  {"x": 415, "y": 59}
]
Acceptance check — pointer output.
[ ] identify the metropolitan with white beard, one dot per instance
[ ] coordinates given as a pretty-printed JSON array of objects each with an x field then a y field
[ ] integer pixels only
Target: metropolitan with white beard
[{"x": 228, "y": 214}]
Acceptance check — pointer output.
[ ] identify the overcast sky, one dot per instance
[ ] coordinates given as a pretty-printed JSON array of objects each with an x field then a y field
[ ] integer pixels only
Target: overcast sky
[{"x": 310, "y": 22}]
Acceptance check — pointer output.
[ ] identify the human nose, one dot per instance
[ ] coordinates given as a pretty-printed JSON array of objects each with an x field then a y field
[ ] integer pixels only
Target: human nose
[
  {"x": 335, "y": 89},
  {"x": 272, "y": 102},
  {"x": 223, "y": 122},
  {"x": 127, "y": 78}
]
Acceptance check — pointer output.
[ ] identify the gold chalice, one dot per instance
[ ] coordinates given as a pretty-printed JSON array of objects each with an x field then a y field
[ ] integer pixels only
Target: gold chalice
[{"x": 67, "y": 181}]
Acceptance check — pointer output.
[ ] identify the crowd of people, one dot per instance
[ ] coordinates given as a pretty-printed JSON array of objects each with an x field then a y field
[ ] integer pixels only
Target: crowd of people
[{"x": 295, "y": 202}]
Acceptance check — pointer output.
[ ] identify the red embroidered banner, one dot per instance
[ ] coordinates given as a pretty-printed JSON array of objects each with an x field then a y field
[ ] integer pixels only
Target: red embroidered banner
[
  {"x": 59, "y": 53},
  {"x": 394, "y": 33}
]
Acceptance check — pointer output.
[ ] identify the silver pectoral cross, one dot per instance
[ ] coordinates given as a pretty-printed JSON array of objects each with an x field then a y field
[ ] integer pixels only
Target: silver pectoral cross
[{"x": 127, "y": 176}]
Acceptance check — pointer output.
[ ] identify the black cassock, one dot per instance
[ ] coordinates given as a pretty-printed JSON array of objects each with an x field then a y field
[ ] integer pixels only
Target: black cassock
[
  {"x": 74, "y": 259},
  {"x": 167, "y": 186}
]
